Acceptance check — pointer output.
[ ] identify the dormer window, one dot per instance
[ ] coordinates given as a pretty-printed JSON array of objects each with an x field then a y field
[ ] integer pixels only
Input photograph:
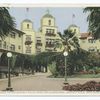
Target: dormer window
[
  {"x": 49, "y": 22},
  {"x": 27, "y": 26}
]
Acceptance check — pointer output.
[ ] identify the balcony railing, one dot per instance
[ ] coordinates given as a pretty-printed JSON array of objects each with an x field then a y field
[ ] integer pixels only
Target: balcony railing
[
  {"x": 50, "y": 34},
  {"x": 49, "y": 45},
  {"x": 39, "y": 44},
  {"x": 28, "y": 42}
]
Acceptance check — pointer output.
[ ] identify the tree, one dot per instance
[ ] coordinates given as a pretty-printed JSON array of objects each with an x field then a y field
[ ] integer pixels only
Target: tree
[
  {"x": 75, "y": 62},
  {"x": 93, "y": 20},
  {"x": 4, "y": 60},
  {"x": 68, "y": 40},
  {"x": 7, "y": 23},
  {"x": 41, "y": 60}
]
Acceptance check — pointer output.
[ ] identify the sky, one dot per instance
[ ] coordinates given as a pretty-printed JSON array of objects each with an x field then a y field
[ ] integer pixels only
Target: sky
[{"x": 63, "y": 16}]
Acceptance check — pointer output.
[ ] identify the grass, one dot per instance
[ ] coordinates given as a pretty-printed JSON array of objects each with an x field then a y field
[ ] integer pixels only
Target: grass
[
  {"x": 78, "y": 76},
  {"x": 59, "y": 76},
  {"x": 85, "y": 76}
]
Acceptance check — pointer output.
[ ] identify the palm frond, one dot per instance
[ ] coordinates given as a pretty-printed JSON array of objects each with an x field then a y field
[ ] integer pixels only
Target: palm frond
[
  {"x": 61, "y": 36},
  {"x": 57, "y": 44}
]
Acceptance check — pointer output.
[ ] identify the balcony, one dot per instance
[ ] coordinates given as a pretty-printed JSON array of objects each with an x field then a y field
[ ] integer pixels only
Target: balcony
[
  {"x": 28, "y": 42},
  {"x": 49, "y": 45},
  {"x": 50, "y": 34},
  {"x": 39, "y": 44}
]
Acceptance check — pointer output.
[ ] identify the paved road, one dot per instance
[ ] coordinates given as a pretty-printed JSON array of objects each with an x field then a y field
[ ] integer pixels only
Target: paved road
[
  {"x": 40, "y": 82},
  {"x": 37, "y": 82}
]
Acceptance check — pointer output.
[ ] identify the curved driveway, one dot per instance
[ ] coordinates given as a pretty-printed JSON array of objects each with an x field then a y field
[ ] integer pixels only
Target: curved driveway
[{"x": 40, "y": 82}]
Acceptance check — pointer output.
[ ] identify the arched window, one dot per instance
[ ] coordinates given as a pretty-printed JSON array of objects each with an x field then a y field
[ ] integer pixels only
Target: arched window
[
  {"x": 74, "y": 30},
  {"x": 27, "y": 26},
  {"x": 49, "y": 22}
]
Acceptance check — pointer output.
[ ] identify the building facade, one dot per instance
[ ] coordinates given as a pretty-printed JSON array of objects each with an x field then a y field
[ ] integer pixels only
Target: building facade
[
  {"x": 29, "y": 38},
  {"x": 13, "y": 42},
  {"x": 47, "y": 35},
  {"x": 86, "y": 40},
  {"x": 88, "y": 43},
  {"x": 27, "y": 41}
]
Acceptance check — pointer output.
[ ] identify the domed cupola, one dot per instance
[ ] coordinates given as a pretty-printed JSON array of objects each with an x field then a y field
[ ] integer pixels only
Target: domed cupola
[
  {"x": 48, "y": 16},
  {"x": 72, "y": 25},
  {"x": 48, "y": 20},
  {"x": 27, "y": 20},
  {"x": 73, "y": 28},
  {"x": 26, "y": 25}
]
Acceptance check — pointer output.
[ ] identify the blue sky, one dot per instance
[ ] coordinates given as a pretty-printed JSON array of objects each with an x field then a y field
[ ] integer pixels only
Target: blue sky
[{"x": 63, "y": 16}]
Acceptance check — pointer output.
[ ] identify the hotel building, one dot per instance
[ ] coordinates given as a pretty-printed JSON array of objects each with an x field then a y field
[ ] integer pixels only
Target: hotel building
[{"x": 27, "y": 41}]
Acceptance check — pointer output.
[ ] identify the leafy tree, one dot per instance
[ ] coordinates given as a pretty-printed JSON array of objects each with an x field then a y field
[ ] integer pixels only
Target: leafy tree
[
  {"x": 42, "y": 60},
  {"x": 24, "y": 62},
  {"x": 93, "y": 61},
  {"x": 68, "y": 42},
  {"x": 4, "y": 60},
  {"x": 7, "y": 23},
  {"x": 19, "y": 64},
  {"x": 13, "y": 60},
  {"x": 93, "y": 20},
  {"x": 53, "y": 70}
]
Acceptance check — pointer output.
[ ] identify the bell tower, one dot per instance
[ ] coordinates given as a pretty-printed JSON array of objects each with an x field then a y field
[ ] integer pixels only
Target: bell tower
[
  {"x": 27, "y": 25},
  {"x": 28, "y": 37}
]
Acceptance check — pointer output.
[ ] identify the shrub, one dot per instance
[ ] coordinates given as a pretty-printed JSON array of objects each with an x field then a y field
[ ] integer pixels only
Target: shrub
[
  {"x": 53, "y": 69},
  {"x": 83, "y": 72},
  {"x": 88, "y": 86}
]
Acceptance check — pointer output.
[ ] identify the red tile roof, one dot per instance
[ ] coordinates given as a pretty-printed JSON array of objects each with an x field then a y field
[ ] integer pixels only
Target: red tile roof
[{"x": 86, "y": 35}]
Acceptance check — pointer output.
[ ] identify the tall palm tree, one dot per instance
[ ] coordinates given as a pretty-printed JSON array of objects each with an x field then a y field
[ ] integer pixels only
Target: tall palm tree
[
  {"x": 93, "y": 20},
  {"x": 68, "y": 40},
  {"x": 7, "y": 23}
]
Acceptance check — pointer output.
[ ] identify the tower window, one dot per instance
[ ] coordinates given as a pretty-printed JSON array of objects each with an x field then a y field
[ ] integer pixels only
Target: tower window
[
  {"x": 19, "y": 47},
  {"x": 75, "y": 30},
  {"x": 27, "y": 26},
  {"x": 19, "y": 35},
  {"x": 49, "y": 22}
]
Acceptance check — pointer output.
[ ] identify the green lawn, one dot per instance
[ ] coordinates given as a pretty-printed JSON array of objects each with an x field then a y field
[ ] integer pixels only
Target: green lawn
[
  {"x": 85, "y": 76},
  {"x": 79, "y": 76}
]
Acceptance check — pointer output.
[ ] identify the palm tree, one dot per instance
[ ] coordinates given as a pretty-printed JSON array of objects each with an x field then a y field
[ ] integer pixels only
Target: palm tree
[
  {"x": 68, "y": 40},
  {"x": 93, "y": 20},
  {"x": 7, "y": 23}
]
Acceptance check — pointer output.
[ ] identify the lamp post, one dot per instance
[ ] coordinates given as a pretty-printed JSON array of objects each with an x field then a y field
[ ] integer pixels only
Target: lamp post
[
  {"x": 65, "y": 55},
  {"x": 9, "y": 55}
]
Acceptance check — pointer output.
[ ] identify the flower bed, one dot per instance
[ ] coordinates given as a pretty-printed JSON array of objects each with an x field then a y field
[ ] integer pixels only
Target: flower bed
[{"x": 88, "y": 86}]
